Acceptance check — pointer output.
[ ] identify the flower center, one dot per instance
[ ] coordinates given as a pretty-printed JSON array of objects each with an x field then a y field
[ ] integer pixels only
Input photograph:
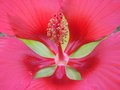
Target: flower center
[{"x": 61, "y": 62}]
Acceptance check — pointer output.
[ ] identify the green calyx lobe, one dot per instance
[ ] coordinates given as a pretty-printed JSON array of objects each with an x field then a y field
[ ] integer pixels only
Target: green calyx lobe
[
  {"x": 45, "y": 72},
  {"x": 73, "y": 74},
  {"x": 86, "y": 49},
  {"x": 38, "y": 47}
]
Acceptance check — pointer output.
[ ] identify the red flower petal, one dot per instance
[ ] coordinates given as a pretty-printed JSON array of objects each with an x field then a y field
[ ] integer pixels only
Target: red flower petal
[
  {"x": 28, "y": 18},
  {"x": 4, "y": 26},
  {"x": 13, "y": 74},
  {"x": 17, "y": 64},
  {"x": 101, "y": 69},
  {"x": 90, "y": 20}
]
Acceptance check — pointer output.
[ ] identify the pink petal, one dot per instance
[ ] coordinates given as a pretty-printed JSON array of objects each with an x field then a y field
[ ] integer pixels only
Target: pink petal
[
  {"x": 17, "y": 64},
  {"x": 90, "y": 20},
  {"x": 28, "y": 18}
]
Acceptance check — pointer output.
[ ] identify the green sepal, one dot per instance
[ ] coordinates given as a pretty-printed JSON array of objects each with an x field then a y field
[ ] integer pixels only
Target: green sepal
[
  {"x": 45, "y": 72},
  {"x": 85, "y": 49},
  {"x": 73, "y": 74},
  {"x": 38, "y": 47}
]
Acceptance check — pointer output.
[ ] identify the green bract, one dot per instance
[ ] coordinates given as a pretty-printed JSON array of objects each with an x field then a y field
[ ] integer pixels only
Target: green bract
[
  {"x": 73, "y": 74},
  {"x": 85, "y": 49},
  {"x": 45, "y": 72},
  {"x": 38, "y": 47}
]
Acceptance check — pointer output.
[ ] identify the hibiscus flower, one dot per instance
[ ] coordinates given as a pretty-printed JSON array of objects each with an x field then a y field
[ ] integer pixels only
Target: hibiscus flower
[{"x": 49, "y": 23}]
